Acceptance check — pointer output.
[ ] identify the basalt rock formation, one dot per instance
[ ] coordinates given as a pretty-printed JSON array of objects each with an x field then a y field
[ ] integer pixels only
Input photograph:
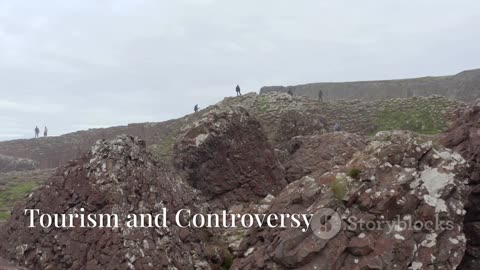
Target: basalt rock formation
[
  {"x": 462, "y": 86},
  {"x": 464, "y": 137},
  {"x": 296, "y": 123},
  {"x": 402, "y": 180},
  {"x": 318, "y": 154},
  {"x": 12, "y": 164},
  {"x": 227, "y": 156},
  {"x": 115, "y": 177},
  {"x": 269, "y": 153},
  {"x": 427, "y": 115},
  {"x": 275, "y": 111}
]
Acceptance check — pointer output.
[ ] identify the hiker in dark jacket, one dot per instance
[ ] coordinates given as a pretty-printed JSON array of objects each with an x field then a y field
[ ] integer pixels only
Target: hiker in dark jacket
[
  {"x": 37, "y": 131},
  {"x": 238, "y": 90},
  {"x": 320, "y": 95},
  {"x": 195, "y": 108},
  {"x": 45, "y": 132}
]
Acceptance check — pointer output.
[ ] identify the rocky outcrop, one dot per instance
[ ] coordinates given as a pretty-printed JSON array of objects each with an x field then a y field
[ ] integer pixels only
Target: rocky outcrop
[
  {"x": 462, "y": 86},
  {"x": 464, "y": 137},
  {"x": 224, "y": 158},
  {"x": 227, "y": 156},
  {"x": 115, "y": 177},
  {"x": 318, "y": 154},
  {"x": 295, "y": 123},
  {"x": 275, "y": 111},
  {"x": 426, "y": 115},
  {"x": 12, "y": 164},
  {"x": 400, "y": 180}
]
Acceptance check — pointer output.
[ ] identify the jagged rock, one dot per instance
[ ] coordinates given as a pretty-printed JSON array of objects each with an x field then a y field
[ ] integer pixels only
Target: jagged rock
[
  {"x": 227, "y": 156},
  {"x": 225, "y": 153},
  {"x": 298, "y": 123},
  {"x": 464, "y": 137},
  {"x": 11, "y": 164},
  {"x": 115, "y": 177},
  {"x": 315, "y": 155},
  {"x": 424, "y": 183}
]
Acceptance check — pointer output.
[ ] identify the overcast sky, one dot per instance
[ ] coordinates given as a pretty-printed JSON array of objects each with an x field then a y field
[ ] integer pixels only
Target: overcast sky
[{"x": 74, "y": 65}]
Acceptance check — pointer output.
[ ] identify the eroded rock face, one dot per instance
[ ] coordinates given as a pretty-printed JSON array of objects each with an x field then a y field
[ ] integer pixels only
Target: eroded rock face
[
  {"x": 227, "y": 156},
  {"x": 315, "y": 155},
  {"x": 464, "y": 137},
  {"x": 12, "y": 164},
  {"x": 403, "y": 180},
  {"x": 115, "y": 177},
  {"x": 295, "y": 123}
]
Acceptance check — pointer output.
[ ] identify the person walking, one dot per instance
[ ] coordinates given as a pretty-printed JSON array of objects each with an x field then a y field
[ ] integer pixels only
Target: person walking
[
  {"x": 320, "y": 95},
  {"x": 195, "y": 108},
  {"x": 237, "y": 89}
]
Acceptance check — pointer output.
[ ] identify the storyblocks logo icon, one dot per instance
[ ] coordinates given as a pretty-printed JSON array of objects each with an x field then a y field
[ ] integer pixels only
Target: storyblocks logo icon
[{"x": 326, "y": 224}]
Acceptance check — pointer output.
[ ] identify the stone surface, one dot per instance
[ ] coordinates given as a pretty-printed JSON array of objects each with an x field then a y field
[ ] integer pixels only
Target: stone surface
[
  {"x": 227, "y": 156},
  {"x": 355, "y": 116},
  {"x": 464, "y": 137},
  {"x": 403, "y": 178},
  {"x": 297, "y": 123},
  {"x": 117, "y": 176},
  {"x": 315, "y": 155},
  {"x": 12, "y": 164},
  {"x": 5, "y": 265}
]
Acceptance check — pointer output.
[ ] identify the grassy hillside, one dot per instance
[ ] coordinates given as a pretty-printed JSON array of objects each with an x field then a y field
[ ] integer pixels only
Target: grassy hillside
[
  {"x": 15, "y": 186},
  {"x": 420, "y": 116}
]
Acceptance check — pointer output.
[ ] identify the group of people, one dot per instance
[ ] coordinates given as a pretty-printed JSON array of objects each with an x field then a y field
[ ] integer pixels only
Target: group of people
[{"x": 37, "y": 132}]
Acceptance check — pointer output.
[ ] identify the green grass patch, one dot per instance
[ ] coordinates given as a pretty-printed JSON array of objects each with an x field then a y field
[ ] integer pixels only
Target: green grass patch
[
  {"x": 228, "y": 262},
  {"x": 340, "y": 187},
  {"x": 262, "y": 104},
  {"x": 164, "y": 148},
  {"x": 13, "y": 193},
  {"x": 422, "y": 120},
  {"x": 354, "y": 173},
  {"x": 4, "y": 215}
]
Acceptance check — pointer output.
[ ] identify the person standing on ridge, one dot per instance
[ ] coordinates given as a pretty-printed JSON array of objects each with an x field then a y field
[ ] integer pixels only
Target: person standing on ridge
[
  {"x": 320, "y": 95},
  {"x": 238, "y": 90},
  {"x": 37, "y": 131},
  {"x": 45, "y": 132},
  {"x": 195, "y": 108}
]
